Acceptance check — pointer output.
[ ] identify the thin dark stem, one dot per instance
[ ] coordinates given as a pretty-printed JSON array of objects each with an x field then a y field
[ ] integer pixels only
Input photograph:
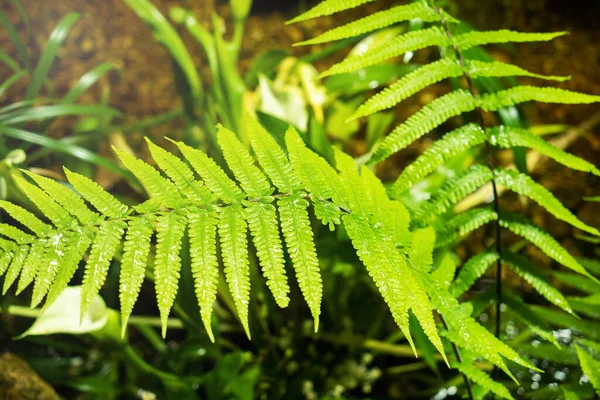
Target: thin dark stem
[
  {"x": 491, "y": 165},
  {"x": 460, "y": 360}
]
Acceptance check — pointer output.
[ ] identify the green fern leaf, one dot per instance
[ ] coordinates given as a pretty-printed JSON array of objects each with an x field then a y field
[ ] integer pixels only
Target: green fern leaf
[
  {"x": 253, "y": 181},
  {"x": 214, "y": 177},
  {"x": 508, "y": 137},
  {"x": 410, "y": 84},
  {"x": 353, "y": 184},
  {"x": 15, "y": 267},
  {"x": 429, "y": 117},
  {"x": 234, "y": 249},
  {"x": 328, "y": 213},
  {"x": 55, "y": 213},
  {"x": 525, "y": 186},
  {"x": 421, "y": 249},
  {"x": 158, "y": 187},
  {"x": 392, "y": 215},
  {"x": 522, "y": 94},
  {"x": 56, "y": 247},
  {"x": 462, "y": 224},
  {"x": 77, "y": 245},
  {"x": 450, "y": 145},
  {"x": 532, "y": 275},
  {"x": 271, "y": 157},
  {"x": 397, "y": 46},
  {"x": 205, "y": 269},
  {"x": 5, "y": 259},
  {"x": 478, "y": 376},
  {"x": 452, "y": 192},
  {"x": 478, "y": 38},
  {"x": 26, "y": 218},
  {"x": 328, "y": 7},
  {"x": 103, "y": 250},
  {"x": 444, "y": 274},
  {"x": 530, "y": 318},
  {"x": 477, "y": 69},
  {"x": 577, "y": 281},
  {"x": 262, "y": 221},
  {"x": 380, "y": 20},
  {"x": 15, "y": 234},
  {"x": 528, "y": 230},
  {"x": 31, "y": 264},
  {"x": 133, "y": 264},
  {"x": 465, "y": 332},
  {"x": 474, "y": 268},
  {"x": 170, "y": 228},
  {"x": 180, "y": 174},
  {"x": 590, "y": 367},
  {"x": 435, "y": 72},
  {"x": 319, "y": 178},
  {"x": 67, "y": 198},
  {"x": 298, "y": 235},
  {"x": 104, "y": 202}
]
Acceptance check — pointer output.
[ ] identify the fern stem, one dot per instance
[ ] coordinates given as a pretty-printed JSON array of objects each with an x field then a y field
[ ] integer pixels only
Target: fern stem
[
  {"x": 460, "y": 360},
  {"x": 490, "y": 163}
]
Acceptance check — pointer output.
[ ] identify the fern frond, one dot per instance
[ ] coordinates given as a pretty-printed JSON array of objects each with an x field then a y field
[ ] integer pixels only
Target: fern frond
[
  {"x": 5, "y": 259},
  {"x": 435, "y": 72},
  {"x": 31, "y": 264},
  {"x": 452, "y": 192},
  {"x": 411, "y": 41},
  {"x": 319, "y": 178},
  {"x": 67, "y": 198},
  {"x": 478, "y": 376},
  {"x": 253, "y": 181},
  {"x": 421, "y": 249},
  {"x": 55, "y": 213},
  {"x": 577, "y": 281},
  {"x": 78, "y": 244},
  {"x": 262, "y": 221},
  {"x": 444, "y": 274},
  {"x": 133, "y": 264},
  {"x": 450, "y": 145},
  {"x": 530, "y": 318},
  {"x": 26, "y": 218},
  {"x": 15, "y": 267},
  {"x": 180, "y": 174},
  {"x": 528, "y": 230},
  {"x": 479, "y": 38},
  {"x": 234, "y": 249},
  {"x": 214, "y": 177},
  {"x": 103, "y": 201},
  {"x": 103, "y": 250},
  {"x": 170, "y": 228},
  {"x": 534, "y": 276},
  {"x": 202, "y": 227},
  {"x": 522, "y": 94},
  {"x": 465, "y": 332},
  {"x": 424, "y": 121},
  {"x": 298, "y": 235},
  {"x": 56, "y": 246},
  {"x": 590, "y": 367},
  {"x": 474, "y": 268},
  {"x": 272, "y": 158},
  {"x": 352, "y": 182},
  {"x": 15, "y": 234},
  {"x": 462, "y": 224},
  {"x": 525, "y": 186},
  {"x": 380, "y": 20},
  {"x": 410, "y": 84},
  {"x": 508, "y": 137},
  {"x": 328, "y": 7},
  {"x": 392, "y": 215},
  {"x": 158, "y": 187}
]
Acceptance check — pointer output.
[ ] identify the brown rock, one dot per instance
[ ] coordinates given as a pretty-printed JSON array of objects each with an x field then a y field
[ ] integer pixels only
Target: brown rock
[{"x": 18, "y": 381}]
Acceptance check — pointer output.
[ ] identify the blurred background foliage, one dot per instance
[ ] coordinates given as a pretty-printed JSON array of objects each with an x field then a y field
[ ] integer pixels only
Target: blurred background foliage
[{"x": 80, "y": 76}]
